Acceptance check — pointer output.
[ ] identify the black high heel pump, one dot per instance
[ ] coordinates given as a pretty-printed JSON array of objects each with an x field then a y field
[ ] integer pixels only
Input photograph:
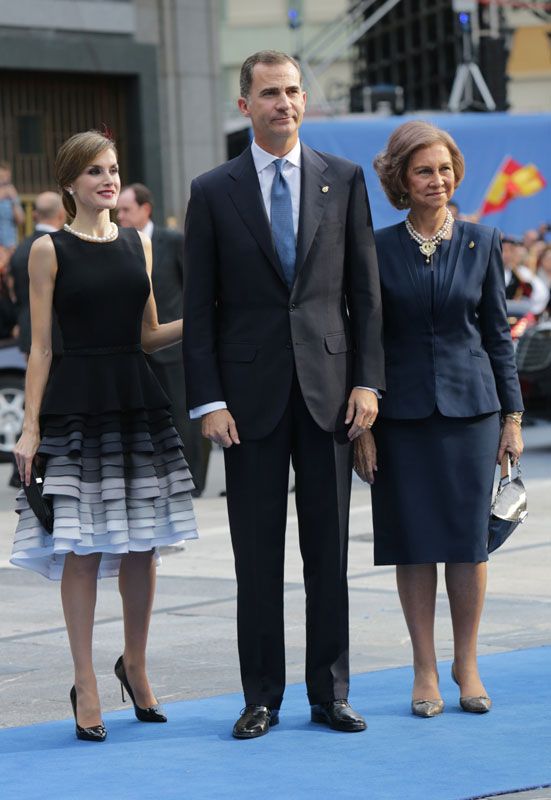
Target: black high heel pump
[
  {"x": 151, "y": 714},
  {"x": 97, "y": 733}
]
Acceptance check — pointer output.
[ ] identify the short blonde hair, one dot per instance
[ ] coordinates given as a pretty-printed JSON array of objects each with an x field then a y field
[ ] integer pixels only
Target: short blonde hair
[
  {"x": 392, "y": 163},
  {"x": 74, "y": 156}
]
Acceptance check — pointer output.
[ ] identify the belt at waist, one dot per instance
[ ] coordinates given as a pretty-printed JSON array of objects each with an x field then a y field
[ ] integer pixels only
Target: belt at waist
[{"x": 102, "y": 351}]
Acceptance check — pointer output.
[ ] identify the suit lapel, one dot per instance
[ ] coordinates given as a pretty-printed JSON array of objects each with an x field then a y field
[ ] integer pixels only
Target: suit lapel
[
  {"x": 457, "y": 245},
  {"x": 313, "y": 201},
  {"x": 247, "y": 198},
  {"x": 413, "y": 273}
]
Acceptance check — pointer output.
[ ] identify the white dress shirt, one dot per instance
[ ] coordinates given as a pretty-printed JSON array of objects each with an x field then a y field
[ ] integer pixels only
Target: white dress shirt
[
  {"x": 264, "y": 164},
  {"x": 147, "y": 229}
]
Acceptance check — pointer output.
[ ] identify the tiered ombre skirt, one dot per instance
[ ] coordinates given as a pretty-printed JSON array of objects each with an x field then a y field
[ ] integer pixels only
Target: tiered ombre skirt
[{"x": 118, "y": 482}]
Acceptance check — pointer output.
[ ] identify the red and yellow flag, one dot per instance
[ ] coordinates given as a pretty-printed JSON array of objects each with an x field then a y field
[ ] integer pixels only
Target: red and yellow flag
[{"x": 512, "y": 180}]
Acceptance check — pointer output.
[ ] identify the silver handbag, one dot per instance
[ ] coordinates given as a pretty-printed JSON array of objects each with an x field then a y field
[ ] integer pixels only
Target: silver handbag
[{"x": 509, "y": 507}]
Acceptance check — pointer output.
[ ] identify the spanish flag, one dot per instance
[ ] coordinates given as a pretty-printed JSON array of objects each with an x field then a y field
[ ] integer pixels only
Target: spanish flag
[{"x": 512, "y": 180}]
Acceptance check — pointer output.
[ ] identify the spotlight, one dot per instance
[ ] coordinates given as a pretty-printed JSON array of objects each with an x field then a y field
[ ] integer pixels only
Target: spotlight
[{"x": 293, "y": 18}]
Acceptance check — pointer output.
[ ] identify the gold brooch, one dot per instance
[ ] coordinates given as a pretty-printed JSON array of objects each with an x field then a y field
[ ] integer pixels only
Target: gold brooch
[
  {"x": 325, "y": 189},
  {"x": 471, "y": 245}
]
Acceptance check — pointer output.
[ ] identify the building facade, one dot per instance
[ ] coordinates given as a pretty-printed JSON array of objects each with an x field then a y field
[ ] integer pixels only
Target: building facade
[
  {"x": 293, "y": 27},
  {"x": 144, "y": 70}
]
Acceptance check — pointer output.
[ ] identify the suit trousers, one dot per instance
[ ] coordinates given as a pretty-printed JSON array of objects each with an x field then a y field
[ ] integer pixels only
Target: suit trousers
[{"x": 257, "y": 475}]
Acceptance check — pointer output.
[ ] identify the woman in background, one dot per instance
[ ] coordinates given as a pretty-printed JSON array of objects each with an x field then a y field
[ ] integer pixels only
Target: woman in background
[{"x": 11, "y": 212}]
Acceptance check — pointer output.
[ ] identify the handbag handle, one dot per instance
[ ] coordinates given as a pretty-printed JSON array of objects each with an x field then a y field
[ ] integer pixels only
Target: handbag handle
[{"x": 506, "y": 468}]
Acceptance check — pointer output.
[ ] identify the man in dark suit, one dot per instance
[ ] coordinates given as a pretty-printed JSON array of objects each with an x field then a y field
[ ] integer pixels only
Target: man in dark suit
[
  {"x": 134, "y": 210},
  {"x": 282, "y": 329},
  {"x": 49, "y": 216}
]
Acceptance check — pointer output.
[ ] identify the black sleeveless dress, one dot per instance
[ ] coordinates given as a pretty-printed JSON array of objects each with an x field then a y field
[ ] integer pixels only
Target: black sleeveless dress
[{"x": 114, "y": 466}]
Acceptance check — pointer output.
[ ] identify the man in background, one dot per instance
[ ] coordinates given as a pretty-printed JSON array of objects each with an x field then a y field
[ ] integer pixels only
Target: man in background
[
  {"x": 49, "y": 216},
  {"x": 135, "y": 210}
]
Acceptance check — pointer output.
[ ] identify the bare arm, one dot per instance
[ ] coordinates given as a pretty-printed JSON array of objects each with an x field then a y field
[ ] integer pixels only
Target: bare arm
[
  {"x": 42, "y": 272},
  {"x": 154, "y": 335}
]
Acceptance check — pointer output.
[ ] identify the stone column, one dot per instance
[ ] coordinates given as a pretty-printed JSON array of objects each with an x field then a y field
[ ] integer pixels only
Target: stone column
[{"x": 186, "y": 32}]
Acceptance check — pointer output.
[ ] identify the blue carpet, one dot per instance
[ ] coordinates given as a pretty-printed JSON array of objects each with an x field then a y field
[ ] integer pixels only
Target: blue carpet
[{"x": 452, "y": 757}]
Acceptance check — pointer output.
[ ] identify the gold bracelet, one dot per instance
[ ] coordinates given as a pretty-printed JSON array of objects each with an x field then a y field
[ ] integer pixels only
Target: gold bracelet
[{"x": 515, "y": 416}]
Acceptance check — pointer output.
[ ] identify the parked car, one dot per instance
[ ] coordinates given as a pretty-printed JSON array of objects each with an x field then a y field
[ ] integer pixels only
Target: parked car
[
  {"x": 533, "y": 356},
  {"x": 12, "y": 396}
]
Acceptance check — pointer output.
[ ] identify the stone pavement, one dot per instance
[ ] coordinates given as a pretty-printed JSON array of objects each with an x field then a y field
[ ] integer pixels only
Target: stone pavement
[{"x": 192, "y": 650}]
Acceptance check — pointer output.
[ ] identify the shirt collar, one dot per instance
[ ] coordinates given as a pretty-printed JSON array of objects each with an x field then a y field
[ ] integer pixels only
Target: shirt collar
[
  {"x": 262, "y": 158},
  {"x": 147, "y": 229},
  {"x": 43, "y": 227}
]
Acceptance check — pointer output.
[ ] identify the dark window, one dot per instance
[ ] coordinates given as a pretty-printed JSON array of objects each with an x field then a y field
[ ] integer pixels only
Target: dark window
[{"x": 29, "y": 132}]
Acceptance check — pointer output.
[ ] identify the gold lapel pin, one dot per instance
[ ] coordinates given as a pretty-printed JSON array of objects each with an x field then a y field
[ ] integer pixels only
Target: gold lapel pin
[
  {"x": 471, "y": 245},
  {"x": 325, "y": 189}
]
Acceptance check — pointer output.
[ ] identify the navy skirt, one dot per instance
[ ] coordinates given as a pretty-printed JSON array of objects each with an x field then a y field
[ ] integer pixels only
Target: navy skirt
[{"x": 433, "y": 488}]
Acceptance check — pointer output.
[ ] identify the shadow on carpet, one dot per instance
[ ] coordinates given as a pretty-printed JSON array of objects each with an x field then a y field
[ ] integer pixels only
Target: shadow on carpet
[{"x": 400, "y": 757}]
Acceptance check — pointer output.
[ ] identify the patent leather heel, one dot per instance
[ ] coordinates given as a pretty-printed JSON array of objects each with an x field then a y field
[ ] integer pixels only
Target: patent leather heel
[
  {"x": 97, "y": 733},
  {"x": 151, "y": 714}
]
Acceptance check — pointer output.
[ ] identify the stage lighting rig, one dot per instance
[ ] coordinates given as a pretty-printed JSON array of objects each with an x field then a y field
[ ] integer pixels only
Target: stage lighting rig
[{"x": 468, "y": 74}]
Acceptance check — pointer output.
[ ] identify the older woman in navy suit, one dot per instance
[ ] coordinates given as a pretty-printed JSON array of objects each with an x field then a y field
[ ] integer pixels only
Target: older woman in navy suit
[{"x": 451, "y": 409}]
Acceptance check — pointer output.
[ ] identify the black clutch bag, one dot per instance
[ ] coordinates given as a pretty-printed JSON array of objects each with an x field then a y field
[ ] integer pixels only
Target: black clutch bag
[
  {"x": 509, "y": 507},
  {"x": 41, "y": 507}
]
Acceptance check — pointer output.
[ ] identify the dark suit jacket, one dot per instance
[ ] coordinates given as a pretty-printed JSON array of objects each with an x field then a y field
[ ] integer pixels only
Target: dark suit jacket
[
  {"x": 168, "y": 283},
  {"x": 19, "y": 268},
  {"x": 245, "y": 332},
  {"x": 459, "y": 359}
]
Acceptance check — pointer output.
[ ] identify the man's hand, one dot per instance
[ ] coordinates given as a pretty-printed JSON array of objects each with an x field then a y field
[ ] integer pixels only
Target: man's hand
[
  {"x": 362, "y": 411},
  {"x": 219, "y": 427}
]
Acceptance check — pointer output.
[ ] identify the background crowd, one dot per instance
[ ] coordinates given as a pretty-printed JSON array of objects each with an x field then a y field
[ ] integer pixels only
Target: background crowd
[
  {"x": 527, "y": 262},
  {"x": 527, "y": 259}
]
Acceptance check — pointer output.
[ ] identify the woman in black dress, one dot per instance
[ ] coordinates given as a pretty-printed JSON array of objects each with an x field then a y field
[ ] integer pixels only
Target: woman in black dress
[
  {"x": 452, "y": 405},
  {"x": 113, "y": 465}
]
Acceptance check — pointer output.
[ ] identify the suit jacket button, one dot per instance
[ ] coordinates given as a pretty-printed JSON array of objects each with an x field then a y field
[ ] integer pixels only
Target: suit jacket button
[
  {"x": 292, "y": 307},
  {"x": 289, "y": 346}
]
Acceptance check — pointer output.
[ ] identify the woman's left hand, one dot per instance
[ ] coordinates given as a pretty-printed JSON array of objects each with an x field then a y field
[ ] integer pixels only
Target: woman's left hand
[
  {"x": 365, "y": 457},
  {"x": 510, "y": 442}
]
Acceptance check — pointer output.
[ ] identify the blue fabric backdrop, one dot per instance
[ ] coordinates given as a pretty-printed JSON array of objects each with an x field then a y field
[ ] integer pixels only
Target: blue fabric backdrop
[{"x": 485, "y": 140}]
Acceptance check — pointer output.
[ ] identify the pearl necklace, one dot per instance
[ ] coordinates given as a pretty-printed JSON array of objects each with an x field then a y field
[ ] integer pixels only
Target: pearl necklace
[
  {"x": 90, "y": 237},
  {"x": 428, "y": 245}
]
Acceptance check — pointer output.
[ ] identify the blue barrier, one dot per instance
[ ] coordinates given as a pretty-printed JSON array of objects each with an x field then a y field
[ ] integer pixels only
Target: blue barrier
[{"x": 484, "y": 139}]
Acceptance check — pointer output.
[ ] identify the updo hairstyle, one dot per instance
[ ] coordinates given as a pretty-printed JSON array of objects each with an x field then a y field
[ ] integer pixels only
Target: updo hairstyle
[{"x": 73, "y": 157}]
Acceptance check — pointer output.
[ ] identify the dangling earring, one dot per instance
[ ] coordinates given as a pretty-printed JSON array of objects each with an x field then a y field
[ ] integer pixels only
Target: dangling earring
[{"x": 403, "y": 200}]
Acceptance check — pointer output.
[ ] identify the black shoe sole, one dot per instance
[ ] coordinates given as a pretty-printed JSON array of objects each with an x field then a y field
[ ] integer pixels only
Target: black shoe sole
[{"x": 322, "y": 720}]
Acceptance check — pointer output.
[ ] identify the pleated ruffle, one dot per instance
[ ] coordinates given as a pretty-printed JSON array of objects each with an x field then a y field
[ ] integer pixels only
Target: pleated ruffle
[{"x": 118, "y": 483}]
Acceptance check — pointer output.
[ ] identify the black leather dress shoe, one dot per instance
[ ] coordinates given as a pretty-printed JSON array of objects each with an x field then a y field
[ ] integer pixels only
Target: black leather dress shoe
[
  {"x": 255, "y": 721},
  {"x": 339, "y": 715}
]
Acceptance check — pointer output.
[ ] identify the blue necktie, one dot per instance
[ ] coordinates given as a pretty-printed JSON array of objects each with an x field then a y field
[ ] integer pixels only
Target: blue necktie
[{"x": 282, "y": 223}]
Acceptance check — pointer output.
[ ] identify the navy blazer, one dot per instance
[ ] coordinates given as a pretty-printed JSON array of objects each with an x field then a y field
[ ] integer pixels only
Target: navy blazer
[{"x": 457, "y": 357}]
